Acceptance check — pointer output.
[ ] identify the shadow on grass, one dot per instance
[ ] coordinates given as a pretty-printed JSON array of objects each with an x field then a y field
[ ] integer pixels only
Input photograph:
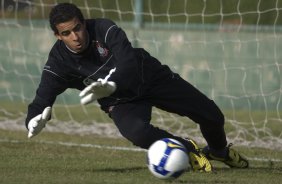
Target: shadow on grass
[
  {"x": 119, "y": 170},
  {"x": 250, "y": 169}
]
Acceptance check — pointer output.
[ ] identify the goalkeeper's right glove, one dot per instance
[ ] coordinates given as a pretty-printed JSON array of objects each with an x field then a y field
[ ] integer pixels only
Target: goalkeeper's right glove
[
  {"x": 37, "y": 123},
  {"x": 97, "y": 90}
]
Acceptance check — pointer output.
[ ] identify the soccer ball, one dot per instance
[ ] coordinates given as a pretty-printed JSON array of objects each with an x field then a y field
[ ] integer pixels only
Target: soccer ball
[{"x": 167, "y": 158}]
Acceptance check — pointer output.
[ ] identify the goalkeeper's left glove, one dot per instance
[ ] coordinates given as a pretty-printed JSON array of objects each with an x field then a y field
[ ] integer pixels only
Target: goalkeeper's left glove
[{"x": 96, "y": 90}]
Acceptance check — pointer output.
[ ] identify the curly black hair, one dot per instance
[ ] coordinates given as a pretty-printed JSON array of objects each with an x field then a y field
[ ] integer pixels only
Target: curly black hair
[{"x": 64, "y": 12}]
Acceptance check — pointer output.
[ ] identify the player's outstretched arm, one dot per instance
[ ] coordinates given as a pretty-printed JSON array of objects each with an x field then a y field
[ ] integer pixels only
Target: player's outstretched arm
[{"x": 37, "y": 123}]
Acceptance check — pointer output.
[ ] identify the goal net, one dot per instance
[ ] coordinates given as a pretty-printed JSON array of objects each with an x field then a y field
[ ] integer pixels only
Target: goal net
[{"x": 229, "y": 49}]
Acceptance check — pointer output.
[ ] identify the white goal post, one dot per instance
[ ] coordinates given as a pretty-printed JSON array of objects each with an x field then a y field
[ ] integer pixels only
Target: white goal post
[{"x": 230, "y": 50}]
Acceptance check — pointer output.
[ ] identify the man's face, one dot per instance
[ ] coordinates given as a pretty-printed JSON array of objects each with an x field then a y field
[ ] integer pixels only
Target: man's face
[{"x": 73, "y": 33}]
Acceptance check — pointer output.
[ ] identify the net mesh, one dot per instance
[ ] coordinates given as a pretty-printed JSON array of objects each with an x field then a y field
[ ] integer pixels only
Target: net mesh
[{"x": 229, "y": 49}]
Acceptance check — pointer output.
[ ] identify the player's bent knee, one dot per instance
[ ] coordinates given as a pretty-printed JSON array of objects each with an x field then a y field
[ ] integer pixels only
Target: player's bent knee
[
  {"x": 215, "y": 119},
  {"x": 220, "y": 119},
  {"x": 141, "y": 142},
  {"x": 216, "y": 116},
  {"x": 138, "y": 139},
  {"x": 137, "y": 133}
]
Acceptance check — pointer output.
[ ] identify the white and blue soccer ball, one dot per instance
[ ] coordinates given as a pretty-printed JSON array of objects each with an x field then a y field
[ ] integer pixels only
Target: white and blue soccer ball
[{"x": 167, "y": 158}]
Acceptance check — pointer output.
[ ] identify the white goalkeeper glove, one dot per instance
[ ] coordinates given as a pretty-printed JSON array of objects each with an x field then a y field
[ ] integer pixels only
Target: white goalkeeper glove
[
  {"x": 37, "y": 123},
  {"x": 97, "y": 90}
]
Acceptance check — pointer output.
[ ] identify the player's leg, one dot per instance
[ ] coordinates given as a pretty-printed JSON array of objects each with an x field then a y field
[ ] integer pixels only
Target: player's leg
[
  {"x": 178, "y": 96},
  {"x": 133, "y": 122}
]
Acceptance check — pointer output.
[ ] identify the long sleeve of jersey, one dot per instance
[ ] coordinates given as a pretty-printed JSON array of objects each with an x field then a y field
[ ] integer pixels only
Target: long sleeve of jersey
[
  {"x": 127, "y": 75},
  {"x": 50, "y": 86}
]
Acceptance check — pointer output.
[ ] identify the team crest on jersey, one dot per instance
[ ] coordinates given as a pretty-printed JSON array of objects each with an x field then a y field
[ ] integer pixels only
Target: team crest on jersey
[{"x": 103, "y": 51}]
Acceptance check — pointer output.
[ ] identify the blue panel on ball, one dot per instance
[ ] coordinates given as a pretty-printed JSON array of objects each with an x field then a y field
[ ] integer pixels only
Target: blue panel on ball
[{"x": 160, "y": 170}]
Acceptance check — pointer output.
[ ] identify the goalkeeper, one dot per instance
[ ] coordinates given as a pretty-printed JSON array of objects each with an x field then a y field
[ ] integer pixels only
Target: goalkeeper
[{"x": 96, "y": 57}]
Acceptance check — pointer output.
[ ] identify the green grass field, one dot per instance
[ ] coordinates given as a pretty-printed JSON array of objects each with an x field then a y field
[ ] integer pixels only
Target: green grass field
[{"x": 60, "y": 158}]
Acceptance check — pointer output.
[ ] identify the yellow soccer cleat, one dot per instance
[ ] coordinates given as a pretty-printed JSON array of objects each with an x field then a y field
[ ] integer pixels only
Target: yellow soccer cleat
[
  {"x": 233, "y": 158},
  {"x": 198, "y": 160}
]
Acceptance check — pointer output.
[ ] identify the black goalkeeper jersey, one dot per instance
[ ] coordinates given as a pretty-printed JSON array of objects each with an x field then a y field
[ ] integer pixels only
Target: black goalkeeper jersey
[{"x": 108, "y": 48}]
